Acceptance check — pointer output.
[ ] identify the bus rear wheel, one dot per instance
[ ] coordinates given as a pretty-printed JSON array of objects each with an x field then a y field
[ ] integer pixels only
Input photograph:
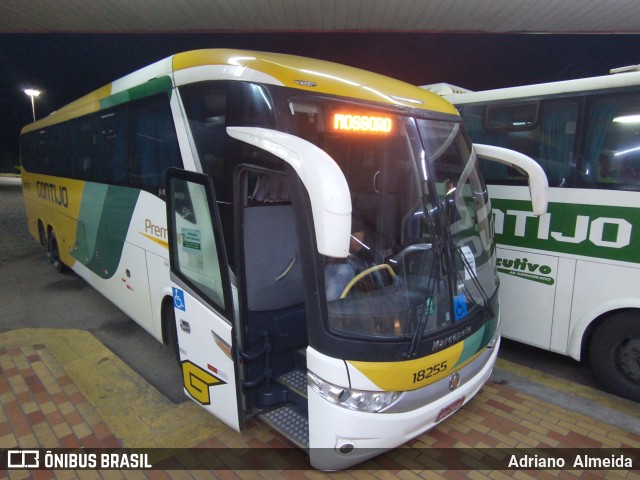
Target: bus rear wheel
[
  {"x": 614, "y": 353},
  {"x": 54, "y": 253},
  {"x": 41, "y": 234}
]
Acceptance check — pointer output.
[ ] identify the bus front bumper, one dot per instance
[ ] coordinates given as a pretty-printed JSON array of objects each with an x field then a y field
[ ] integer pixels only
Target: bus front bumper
[{"x": 340, "y": 438}]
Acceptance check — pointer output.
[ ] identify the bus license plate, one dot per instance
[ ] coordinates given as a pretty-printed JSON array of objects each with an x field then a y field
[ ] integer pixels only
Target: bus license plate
[{"x": 449, "y": 409}]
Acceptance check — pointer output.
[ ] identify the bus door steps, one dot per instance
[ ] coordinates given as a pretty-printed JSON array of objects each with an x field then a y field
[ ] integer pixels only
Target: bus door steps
[
  {"x": 289, "y": 422},
  {"x": 296, "y": 381}
]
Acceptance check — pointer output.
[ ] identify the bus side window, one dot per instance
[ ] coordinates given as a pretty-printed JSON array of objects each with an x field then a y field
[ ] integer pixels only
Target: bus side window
[
  {"x": 154, "y": 145},
  {"x": 84, "y": 149},
  {"x": 110, "y": 147},
  {"x": 611, "y": 156},
  {"x": 557, "y": 133},
  {"x": 206, "y": 107},
  {"x": 544, "y": 131},
  {"x": 43, "y": 152},
  {"x": 494, "y": 172}
]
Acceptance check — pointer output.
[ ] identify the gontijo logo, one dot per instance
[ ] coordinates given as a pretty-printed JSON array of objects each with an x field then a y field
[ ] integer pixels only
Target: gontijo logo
[
  {"x": 599, "y": 231},
  {"x": 53, "y": 193},
  {"x": 585, "y": 228}
]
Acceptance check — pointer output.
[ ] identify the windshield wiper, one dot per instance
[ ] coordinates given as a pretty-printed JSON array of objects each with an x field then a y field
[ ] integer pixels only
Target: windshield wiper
[{"x": 428, "y": 303}]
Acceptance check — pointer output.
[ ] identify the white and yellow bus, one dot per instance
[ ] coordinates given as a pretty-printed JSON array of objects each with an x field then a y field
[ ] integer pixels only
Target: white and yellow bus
[
  {"x": 569, "y": 279},
  {"x": 315, "y": 240}
]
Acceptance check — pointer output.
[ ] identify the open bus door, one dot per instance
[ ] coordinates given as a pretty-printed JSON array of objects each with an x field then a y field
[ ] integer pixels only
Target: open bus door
[
  {"x": 202, "y": 296},
  {"x": 207, "y": 324}
]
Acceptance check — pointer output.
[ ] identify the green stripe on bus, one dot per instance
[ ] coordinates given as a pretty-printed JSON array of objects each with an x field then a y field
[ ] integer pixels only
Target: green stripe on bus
[
  {"x": 103, "y": 223},
  {"x": 157, "y": 85},
  {"x": 598, "y": 231},
  {"x": 478, "y": 340},
  {"x": 472, "y": 345}
]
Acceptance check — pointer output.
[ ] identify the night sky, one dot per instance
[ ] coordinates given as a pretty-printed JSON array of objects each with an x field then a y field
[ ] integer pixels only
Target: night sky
[{"x": 66, "y": 66}]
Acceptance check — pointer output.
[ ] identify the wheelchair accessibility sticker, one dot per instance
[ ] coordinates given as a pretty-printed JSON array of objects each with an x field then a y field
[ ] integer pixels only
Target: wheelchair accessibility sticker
[
  {"x": 178, "y": 299},
  {"x": 460, "y": 306}
]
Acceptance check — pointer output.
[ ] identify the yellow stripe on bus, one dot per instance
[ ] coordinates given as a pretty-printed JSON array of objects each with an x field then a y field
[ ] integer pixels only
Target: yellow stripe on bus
[
  {"x": 58, "y": 200},
  {"x": 83, "y": 106},
  {"x": 412, "y": 374},
  {"x": 159, "y": 241},
  {"x": 318, "y": 76}
]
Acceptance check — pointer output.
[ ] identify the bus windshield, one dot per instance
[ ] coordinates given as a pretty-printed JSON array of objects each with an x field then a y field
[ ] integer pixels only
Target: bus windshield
[{"x": 420, "y": 260}]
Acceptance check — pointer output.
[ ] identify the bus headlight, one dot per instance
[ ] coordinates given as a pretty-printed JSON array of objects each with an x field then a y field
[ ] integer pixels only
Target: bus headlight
[{"x": 358, "y": 400}]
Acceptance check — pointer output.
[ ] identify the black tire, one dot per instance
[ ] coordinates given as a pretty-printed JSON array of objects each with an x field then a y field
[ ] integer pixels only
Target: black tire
[
  {"x": 54, "y": 254},
  {"x": 614, "y": 354},
  {"x": 42, "y": 236},
  {"x": 172, "y": 331}
]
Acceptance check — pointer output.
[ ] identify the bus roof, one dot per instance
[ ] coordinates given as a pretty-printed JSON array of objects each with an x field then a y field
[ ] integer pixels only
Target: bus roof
[
  {"x": 280, "y": 69},
  {"x": 605, "y": 82}
]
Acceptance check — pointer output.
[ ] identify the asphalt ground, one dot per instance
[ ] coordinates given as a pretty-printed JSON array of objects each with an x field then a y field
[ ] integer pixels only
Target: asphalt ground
[{"x": 76, "y": 372}]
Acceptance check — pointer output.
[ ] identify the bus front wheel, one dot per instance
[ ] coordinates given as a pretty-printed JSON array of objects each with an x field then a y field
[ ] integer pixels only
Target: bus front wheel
[
  {"x": 614, "y": 353},
  {"x": 169, "y": 316}
]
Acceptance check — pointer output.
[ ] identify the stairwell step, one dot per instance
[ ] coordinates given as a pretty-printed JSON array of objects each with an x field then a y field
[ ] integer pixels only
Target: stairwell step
[
  {"x": 290, "y": 423},
  {"x": 296, "y": 380}
]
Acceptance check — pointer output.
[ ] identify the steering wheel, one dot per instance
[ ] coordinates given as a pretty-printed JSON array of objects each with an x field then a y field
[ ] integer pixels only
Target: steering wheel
[{"x": 363, "y": 274}]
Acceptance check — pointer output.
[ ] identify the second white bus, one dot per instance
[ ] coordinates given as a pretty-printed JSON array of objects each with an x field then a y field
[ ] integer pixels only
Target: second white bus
[{"x": 570, "y": 279}]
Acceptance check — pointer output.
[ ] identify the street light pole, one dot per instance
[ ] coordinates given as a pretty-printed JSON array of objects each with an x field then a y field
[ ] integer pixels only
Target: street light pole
[{"x": 32, "y": 93}]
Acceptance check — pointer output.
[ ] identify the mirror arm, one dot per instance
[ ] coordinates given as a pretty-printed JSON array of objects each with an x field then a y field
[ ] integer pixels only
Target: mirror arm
[{"x": 538, "y": 183}]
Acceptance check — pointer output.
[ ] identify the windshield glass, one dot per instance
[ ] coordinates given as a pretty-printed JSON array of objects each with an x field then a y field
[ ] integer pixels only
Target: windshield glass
[
  {"x": 421, "y": 258},
  {"x": 421, "y": 262},
  {"x": 465, "y": 212}
]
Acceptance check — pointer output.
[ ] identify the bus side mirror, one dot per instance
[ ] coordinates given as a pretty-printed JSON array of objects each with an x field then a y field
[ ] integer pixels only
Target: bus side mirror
[{"x": 538, "y": 183}]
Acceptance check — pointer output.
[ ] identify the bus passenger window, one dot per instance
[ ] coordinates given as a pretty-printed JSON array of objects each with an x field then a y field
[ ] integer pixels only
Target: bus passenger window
[
  {"x": 512, "y": 117},
  {"x": 155, "y": 146},
  {"x": 206, "y": 106},
  {"x": 111, "y": 147},
  {"x": 611, "y": 153},
  {"x": 544, "y": 131},
  {"x": 84, "y": 149}
]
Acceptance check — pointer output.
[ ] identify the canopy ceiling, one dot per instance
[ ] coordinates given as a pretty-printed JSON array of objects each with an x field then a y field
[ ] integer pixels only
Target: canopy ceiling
[{"x": 486, "y": 16}]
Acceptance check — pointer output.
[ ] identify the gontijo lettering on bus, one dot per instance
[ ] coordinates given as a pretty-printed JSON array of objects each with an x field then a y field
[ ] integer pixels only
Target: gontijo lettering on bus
[
  {"x": 53, "y": 193},
  {"x": 589, "y": 230}
]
